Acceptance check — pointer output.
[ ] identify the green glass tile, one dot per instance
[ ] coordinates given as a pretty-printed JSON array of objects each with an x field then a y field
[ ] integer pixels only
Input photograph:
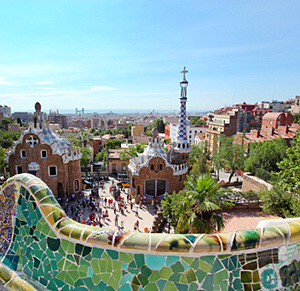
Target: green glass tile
[
  {"x": 204, "y": 267},
  {"x": 146, "y": 271},
  {"x": 224, "y": 286},
  {"x": 139, "y": 259},
  {"x": 88, "y": 283},
  {"x": 97, "y": 253},
  {"x": 96, "y": 279},
  {"x": 117, "y": 265},
  {"x": 195, "y": 264},
  {"x": 151, "y": 287},
  {"x": 175, "y": 278},
  {"x": 250, "y": 266},
  {"x": 246, "y": 276},
  {"x": 177, "y": 268},
  {"x": 53, "y": 244},
  {"x": 165, "y": 273},
  {"x": 208, "y": 282},
  {"x": 103, "y": 264},
  {"x": 190, "y": 275},
  {"x": 220, "y": 276},
  {"x": 216, "y": 267},
  {"x": 256, "y": 277},
  {"x": 170, "y": 286},
  {"x": 208, "y": 259},
  {"x": 155, "y": 276},
  {"x": 181, "y": 287},
  {"x": 172, "y": 260},
  {"x": 86, "y": 251},
  {"x": 188, "y": 260},
  {"x": 113, "y": 254},
  {"x": 144, "y": 281},
  {"x": 193, "y": 287},
  {"x": 200, "y": 275},
  {"x": 78, "y": 249}
]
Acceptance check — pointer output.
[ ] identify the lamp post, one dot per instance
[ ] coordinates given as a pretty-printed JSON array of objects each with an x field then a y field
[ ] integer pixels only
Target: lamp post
[{"x": 169, "y": 219}]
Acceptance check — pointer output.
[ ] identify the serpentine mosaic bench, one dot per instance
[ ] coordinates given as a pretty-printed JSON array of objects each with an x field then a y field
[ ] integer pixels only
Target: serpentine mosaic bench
[{"x": 41, "y": 248}]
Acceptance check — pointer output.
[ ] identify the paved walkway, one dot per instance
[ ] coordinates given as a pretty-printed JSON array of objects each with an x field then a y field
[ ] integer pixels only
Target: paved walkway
[{"x": 145, "y": 212}]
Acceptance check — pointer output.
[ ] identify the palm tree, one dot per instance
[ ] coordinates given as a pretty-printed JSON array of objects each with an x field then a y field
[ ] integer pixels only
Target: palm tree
[{"x": 199, "y": 205}]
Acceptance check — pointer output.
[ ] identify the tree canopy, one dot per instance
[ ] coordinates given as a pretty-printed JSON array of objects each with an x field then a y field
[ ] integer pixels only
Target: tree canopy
[
  {"x": 230, "y": 155},
  {"x": 264, "y": 157},
  {"x": 289, "y": 168},
  {"x": 197, "y": 121}
]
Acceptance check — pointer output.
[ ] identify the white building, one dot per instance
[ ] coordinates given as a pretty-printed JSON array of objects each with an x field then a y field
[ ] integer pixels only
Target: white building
[{"x": 191, "y": 130}]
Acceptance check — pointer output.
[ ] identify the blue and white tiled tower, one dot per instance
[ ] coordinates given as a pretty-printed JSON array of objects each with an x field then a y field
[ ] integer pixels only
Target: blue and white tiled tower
[{"x": 182, "y": 144}]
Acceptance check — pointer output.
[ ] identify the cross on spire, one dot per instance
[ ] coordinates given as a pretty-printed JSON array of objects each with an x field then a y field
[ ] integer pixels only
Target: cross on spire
[
  {"x": 32, "y": 141},
  {"x": 183, "y": 72}
]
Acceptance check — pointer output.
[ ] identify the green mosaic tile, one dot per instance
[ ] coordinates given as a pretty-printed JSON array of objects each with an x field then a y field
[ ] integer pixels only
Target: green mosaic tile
[
  {"x": 205, "y": 267},
  {"x": 208, "y": 259},
  {"x": 183, "y": 279},
  {"x": 172, "y": 260},
  {"x": 175, "y": 278},
  {"x": 177, "y": 268},
  {"x": 151, "y": 287},
  {"x": 170, "y": 286},
  {"x": 190, "y": 275},
  {"x": 155, "y": 276},
  {"x": 139, "y": 259},
  {"x": 181, "y": 287},
  {"x": 208, "y": 282},
  {"x": 165, "y": 273},
  {"x": 53, "y": 244},
  {"x": 97, "y": 253},
  {"x": 216, "y": 267},
  {"x": 246, "y": 276},
  {"x": 220, "y": 276}
]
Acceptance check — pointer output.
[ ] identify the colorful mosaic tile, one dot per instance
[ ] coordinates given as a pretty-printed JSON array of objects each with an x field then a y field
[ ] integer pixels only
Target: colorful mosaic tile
[{"x": 53, "y": 252}]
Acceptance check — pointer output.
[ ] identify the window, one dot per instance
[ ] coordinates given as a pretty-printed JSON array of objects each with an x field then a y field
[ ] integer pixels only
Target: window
[
  {"x": 52, "y": 171},
  {"x": 76, "y": 185},
  {"x": 43, "y": 154},
  {"x": 23, "y": 154},
  {"x": 19, "y": 170}
]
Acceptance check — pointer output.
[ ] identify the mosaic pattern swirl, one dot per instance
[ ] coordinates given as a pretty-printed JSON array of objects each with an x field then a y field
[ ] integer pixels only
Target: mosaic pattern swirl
[{"x": 41, "y": 248}]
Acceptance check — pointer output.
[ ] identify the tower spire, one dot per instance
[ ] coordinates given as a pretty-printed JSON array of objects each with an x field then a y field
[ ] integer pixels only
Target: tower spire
[{"x": 182, "y": 143}]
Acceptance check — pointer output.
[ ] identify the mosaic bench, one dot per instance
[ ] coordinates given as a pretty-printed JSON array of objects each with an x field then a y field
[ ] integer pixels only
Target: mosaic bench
[{"x": 42, "y": 249}]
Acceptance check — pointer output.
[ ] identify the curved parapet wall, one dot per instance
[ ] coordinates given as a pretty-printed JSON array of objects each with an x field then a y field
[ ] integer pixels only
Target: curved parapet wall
[{"x": 41, "y": 248}]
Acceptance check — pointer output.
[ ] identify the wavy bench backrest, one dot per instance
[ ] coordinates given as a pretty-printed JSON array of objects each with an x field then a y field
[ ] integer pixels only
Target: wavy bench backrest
[{"x": 39, "y": 240}]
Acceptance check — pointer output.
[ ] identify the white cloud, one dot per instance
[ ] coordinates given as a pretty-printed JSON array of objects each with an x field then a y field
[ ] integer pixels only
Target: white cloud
[
  {"x": 7, "y": 83},
  {"x": 45, "y": 83}
]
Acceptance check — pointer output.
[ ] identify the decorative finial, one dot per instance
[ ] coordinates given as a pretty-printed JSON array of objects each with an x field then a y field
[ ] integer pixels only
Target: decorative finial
[{"x": 183, "y": 72}]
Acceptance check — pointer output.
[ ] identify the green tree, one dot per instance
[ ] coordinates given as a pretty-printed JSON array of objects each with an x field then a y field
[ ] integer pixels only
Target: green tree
[
  {"x": 230, "y": 155},
  {"x": 289, "y": 168},
  {"x": 85, "y": 137},
  {"x": 198, "y": 160},
  {"x": 7, "y": 138},
  {"x": 113, "y": 144},
  {"x": 280, "y": 202},
  {"x": 264, "y": 157},
  {"x": 102, "y": 156},
  {"x": 197, "y": 121},
  {"x": 86, "y": 156},
  {"x": 4, "y": 123},
  {"x": 159, "y": 124},
  {"x": 297, "y": 118},
  {"x": 132, "y": 151},
  {"x": 199, "y": 205}
]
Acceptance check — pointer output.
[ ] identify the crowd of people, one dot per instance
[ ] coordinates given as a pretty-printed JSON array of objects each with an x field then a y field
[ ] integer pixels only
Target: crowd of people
[{"x": 92, "y": 209}]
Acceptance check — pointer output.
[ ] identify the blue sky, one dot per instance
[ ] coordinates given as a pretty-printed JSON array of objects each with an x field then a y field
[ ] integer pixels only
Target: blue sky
[{"x": 129, "y": 54}]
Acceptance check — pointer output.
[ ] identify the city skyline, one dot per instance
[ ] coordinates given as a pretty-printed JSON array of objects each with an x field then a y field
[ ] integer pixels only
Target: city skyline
[{"x": 128, "y": 55}]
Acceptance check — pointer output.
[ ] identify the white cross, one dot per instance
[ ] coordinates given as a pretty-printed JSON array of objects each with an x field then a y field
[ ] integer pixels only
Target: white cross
[
  {"x": 183, "y": 72},
  {"x": 32, "y": 141}
]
